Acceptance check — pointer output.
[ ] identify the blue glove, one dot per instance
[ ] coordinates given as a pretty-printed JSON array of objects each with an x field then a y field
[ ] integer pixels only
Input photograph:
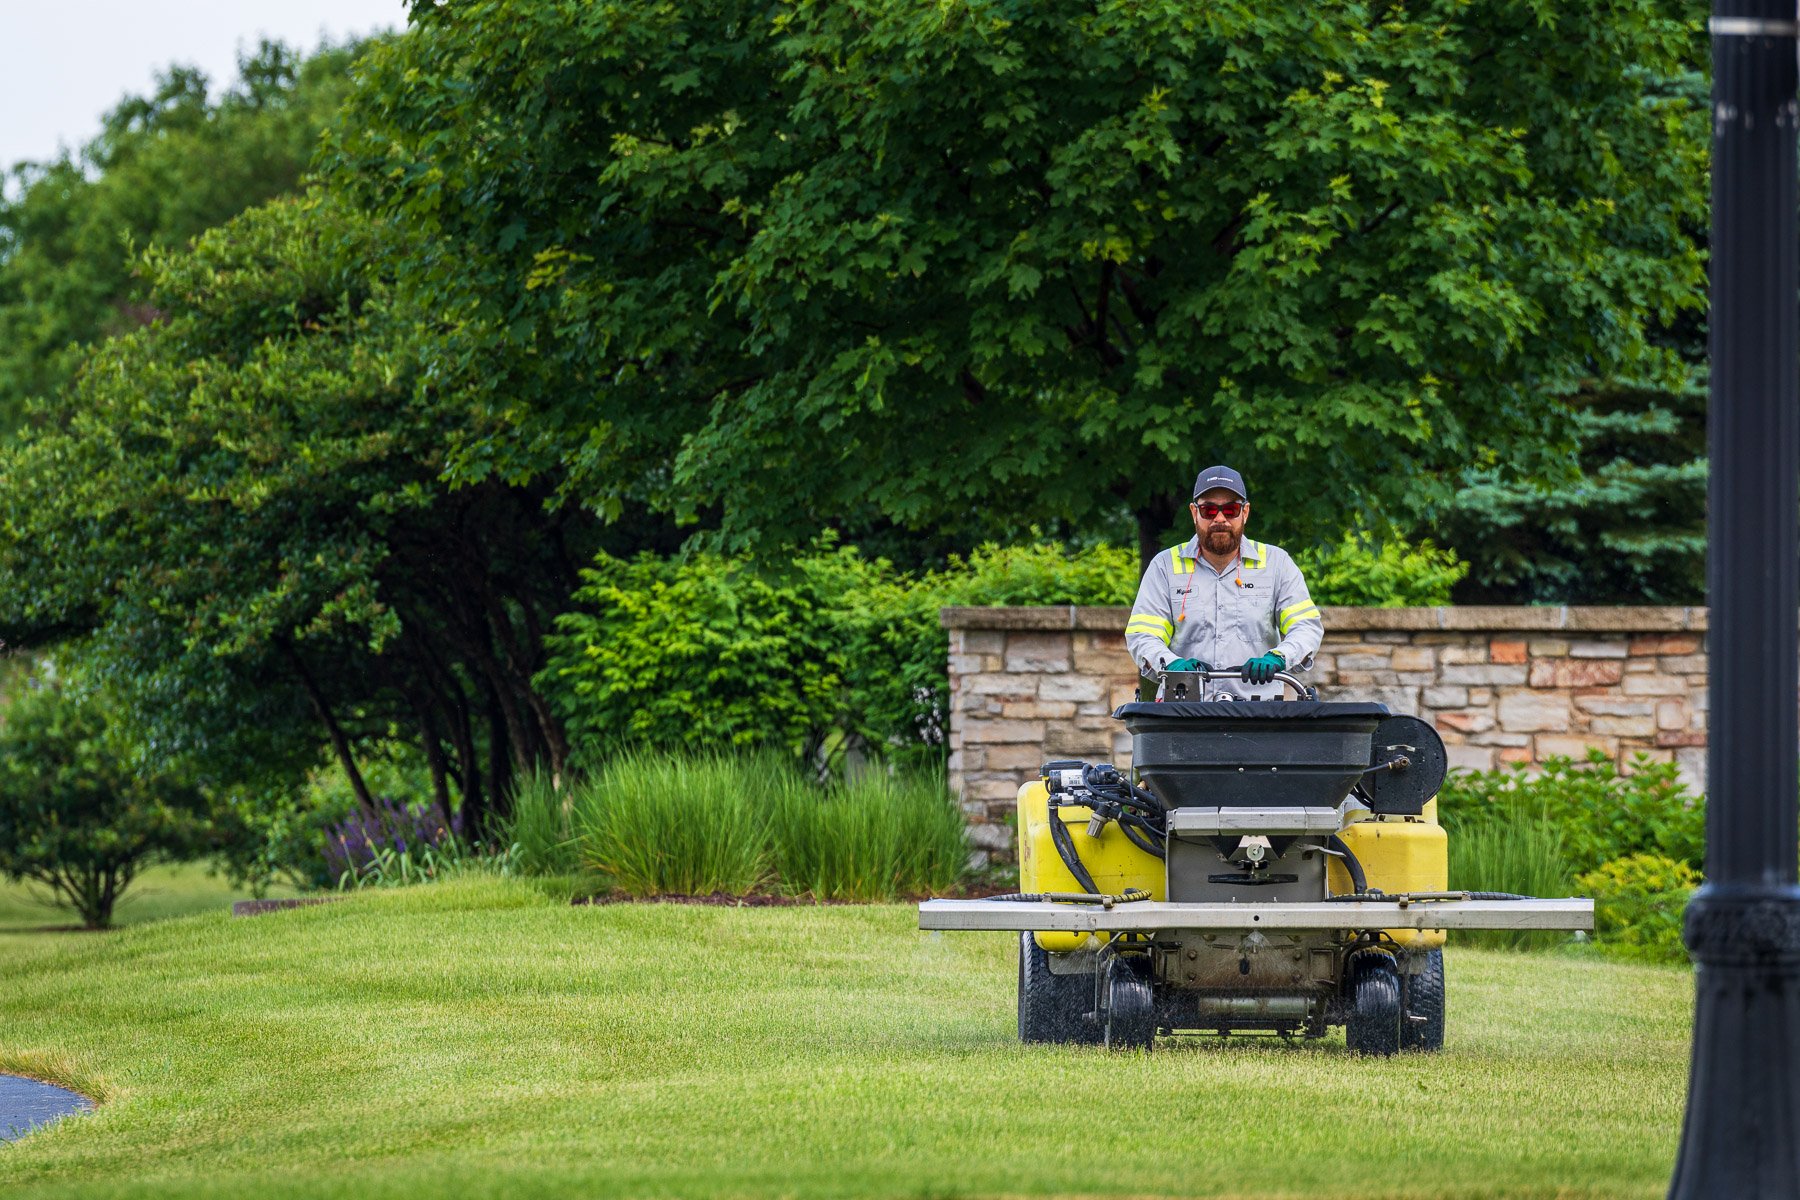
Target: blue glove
[
  {"x": 1187, "y": 664},
  {"x": 1262, "y": 668}
]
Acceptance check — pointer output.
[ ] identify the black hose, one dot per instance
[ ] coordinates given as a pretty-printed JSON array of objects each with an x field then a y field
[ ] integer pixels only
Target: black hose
[
  {"x": 1499, "y": 896},
  {"x": 1140, "y": 841},
  {"x": 1059, "y": 833},
  {"x": 1359, "y": 882}
]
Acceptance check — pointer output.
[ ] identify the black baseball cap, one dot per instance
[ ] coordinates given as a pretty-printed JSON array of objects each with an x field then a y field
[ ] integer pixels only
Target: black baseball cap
[{"x": 1220, "y": 477}]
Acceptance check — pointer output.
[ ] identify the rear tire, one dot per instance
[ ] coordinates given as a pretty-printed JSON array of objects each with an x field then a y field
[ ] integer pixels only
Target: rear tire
[
  {"x": 1422, "y": 1001},
  {"x": 1052, "y": 1008},
  {"x": 1130, "y": 1022},
  {"x": 1374, "y": 1024}
]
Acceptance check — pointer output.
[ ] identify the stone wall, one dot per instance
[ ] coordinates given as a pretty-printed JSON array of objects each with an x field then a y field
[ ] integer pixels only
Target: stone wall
[{"x": 1502, "y": 685}]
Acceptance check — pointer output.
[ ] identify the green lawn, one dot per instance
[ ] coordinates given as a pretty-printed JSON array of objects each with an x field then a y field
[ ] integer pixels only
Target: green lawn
[
  {"x": 159, "y": 893},
  {"x": 477, "y": 1039}
]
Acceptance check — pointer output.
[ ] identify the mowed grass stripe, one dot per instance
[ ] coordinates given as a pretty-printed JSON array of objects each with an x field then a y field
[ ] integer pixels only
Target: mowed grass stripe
[{"x": 475, "y": 1038}]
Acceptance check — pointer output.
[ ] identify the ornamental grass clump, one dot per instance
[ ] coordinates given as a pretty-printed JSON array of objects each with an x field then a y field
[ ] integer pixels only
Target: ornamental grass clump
[
  {"x": 875, "y": 837},
  {"x": 539, "y": 831},
  {"x": 677, "y": 825}
]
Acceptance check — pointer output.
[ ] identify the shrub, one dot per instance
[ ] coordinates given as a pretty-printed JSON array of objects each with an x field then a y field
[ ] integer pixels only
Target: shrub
[
  {"x": 703, "y": 654},
  {"x": 1393, "y": 573},
  {"x": 80, "y": 812},
  {"x": 1638, "y": 905},
  {"x": 1600, "y": 813}
]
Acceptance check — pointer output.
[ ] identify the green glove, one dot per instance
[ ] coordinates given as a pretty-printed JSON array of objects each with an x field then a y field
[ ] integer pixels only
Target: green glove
[
  {"x": 1262, "y": 668},
  {"x": 1187, "y": 664}
]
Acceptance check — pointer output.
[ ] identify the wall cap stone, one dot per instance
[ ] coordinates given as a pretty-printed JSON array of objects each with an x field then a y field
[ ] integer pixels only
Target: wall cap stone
[{"x": 1465, "y": 618}]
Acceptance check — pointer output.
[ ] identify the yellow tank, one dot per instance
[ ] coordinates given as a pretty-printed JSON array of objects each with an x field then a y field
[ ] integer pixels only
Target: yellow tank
[
  {"x": 1114, "y": 862},
  {"x": 1398, "y": 854}
]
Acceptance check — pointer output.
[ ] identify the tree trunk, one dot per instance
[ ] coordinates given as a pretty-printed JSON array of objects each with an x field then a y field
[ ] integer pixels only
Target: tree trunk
[
  {"x": 1153, "y": 521},
  {"x": 339, "y": 743}
]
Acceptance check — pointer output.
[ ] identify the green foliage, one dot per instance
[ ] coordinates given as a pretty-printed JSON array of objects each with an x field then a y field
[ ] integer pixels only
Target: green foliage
[
  {"x": 1520, "y": 854},
  {"x": 165, "y": 168},
  {"x": 1390, "y": 574},
  {"x": 81, "y": 813},
  {"x": 1599, "y": 813},
  {"x": 1638, "y": 904},
  {"x": 972, "y": 267}
]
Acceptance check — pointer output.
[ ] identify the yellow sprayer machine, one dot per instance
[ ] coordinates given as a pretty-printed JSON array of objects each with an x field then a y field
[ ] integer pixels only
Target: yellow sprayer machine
[{"x": 1270, "y": 866}]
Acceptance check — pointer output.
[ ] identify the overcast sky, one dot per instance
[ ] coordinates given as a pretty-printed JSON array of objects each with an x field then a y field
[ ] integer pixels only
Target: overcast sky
[{"x": 63, "y": 63}]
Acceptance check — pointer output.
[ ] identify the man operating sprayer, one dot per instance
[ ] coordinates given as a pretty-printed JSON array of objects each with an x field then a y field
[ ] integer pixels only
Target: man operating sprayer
[{"x": 1222, "y": 601}]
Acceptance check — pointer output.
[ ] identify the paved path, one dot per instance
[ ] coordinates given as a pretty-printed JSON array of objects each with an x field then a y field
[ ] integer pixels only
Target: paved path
[{"x": 25, "y": 1104}]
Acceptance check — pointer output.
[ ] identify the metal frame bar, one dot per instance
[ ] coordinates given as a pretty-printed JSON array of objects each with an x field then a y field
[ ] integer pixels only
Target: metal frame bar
[{"x": 1150, "y": 915}]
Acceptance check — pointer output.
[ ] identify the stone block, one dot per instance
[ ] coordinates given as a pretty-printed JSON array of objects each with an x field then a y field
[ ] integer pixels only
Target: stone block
[
  {"x": 1624, "y": 726},
  {"x": 988, "y": 732},
  {"x": 1388, "y": 637},
  {"x": 1565, "y": 745},
  {"x": 1039, "y": 710},
  {"x": 1515, "y": 754},
  {"x": 1463, "y": 655},
  {"x": 1506, "y": 651},
  {"x": 1065, "y": 741},
  {"x": 1488, "y": 673},
  {"x": 1534, "y": 711},
  {"x": 979, "y": 641},
  {"x": 1495, "y": 737},
  {"x": 1445, "y": 697},
  {"x": 991, "y": 789},
  {"x": 1690, "y": 765},
  {"x": 1548, "y": 647},
  {"x": 1362, "y": 662},
  {"x": 1671, "y": 714},
  {"x": 1477, "y": 721},
  {"x": 1480, "y": 696},
  {"x": 1398, "y": 699},
  {"x": 997, "y": 683},
  {"x": 1640, "y": 666},
  {"x": 1683, "y": 664},
  {"x": 1070, "y": 687},
  {"x": 1598, "y": 648},
  {"x": 1574, "y": 672},
  {"x": 965, "y": 664},
  {"x": 1413, "y": 658},
  {"x": 1013, "y": 756},
  {"x": 1654, "y": 685},
  {"x": 1470, "y": 758},
  {"x": 1032, "y": 651},
  {"x": 1674, "y": 737},
  {"x": 991, "y": 836},
  {"x": 1608, "y": 704},
  {"x": 1686, "y": 643}
]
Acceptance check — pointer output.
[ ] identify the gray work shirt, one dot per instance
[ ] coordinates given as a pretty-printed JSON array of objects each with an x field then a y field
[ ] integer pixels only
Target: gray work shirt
[{"x": 1259, "y": 602}]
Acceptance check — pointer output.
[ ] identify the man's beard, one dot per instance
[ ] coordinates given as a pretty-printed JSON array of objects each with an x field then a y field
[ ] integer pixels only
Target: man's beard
[{"x": 1221, "y": 541}]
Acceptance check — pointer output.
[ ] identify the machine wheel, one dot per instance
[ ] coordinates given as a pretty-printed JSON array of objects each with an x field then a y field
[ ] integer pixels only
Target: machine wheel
[
  {"x": 1130, "y": 1019},
  {"x": 1422, "y": 1002},
  {"x": 1052, "y": 1008},
  {"x": 1374, "y": 1024}
]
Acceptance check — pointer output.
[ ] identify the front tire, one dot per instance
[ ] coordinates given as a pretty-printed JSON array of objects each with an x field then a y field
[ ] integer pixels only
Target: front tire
[
  {"x": 1052, "y": 1008},
  {"x": 1130, "y": 1022},
  {"x": 1422, "y": 1004},
  {"x": 1374, "y": 1024}
]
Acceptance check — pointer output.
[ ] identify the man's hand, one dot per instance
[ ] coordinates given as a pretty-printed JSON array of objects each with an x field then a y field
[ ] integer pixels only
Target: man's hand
[
  {"x": 1187, "y": 664},
  {"x": 1262, "y": 668}
]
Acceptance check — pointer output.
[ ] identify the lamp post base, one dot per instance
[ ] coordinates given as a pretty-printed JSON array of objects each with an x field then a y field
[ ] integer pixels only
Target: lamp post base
[{"x": 1742, "y": 1135}]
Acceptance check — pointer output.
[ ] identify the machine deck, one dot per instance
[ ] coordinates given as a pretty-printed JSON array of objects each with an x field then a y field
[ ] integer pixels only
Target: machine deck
[{"x": 1148, "y": 915}]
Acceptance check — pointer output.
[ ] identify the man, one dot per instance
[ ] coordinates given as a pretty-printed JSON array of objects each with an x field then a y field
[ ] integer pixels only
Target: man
[{"x": 1224, "y": 601}]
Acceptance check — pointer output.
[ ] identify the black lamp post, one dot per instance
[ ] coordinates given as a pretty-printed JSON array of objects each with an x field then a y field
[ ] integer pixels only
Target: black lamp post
[{"x": 1742, "y": 1134}]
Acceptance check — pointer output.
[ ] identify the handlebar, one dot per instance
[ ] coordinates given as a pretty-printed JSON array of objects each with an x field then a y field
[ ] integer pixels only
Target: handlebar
[{"x": 1282, "y": 677}]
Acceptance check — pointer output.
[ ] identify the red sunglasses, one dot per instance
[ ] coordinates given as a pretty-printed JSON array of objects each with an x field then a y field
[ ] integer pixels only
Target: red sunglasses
[{"x": 1229, "y": 510}]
